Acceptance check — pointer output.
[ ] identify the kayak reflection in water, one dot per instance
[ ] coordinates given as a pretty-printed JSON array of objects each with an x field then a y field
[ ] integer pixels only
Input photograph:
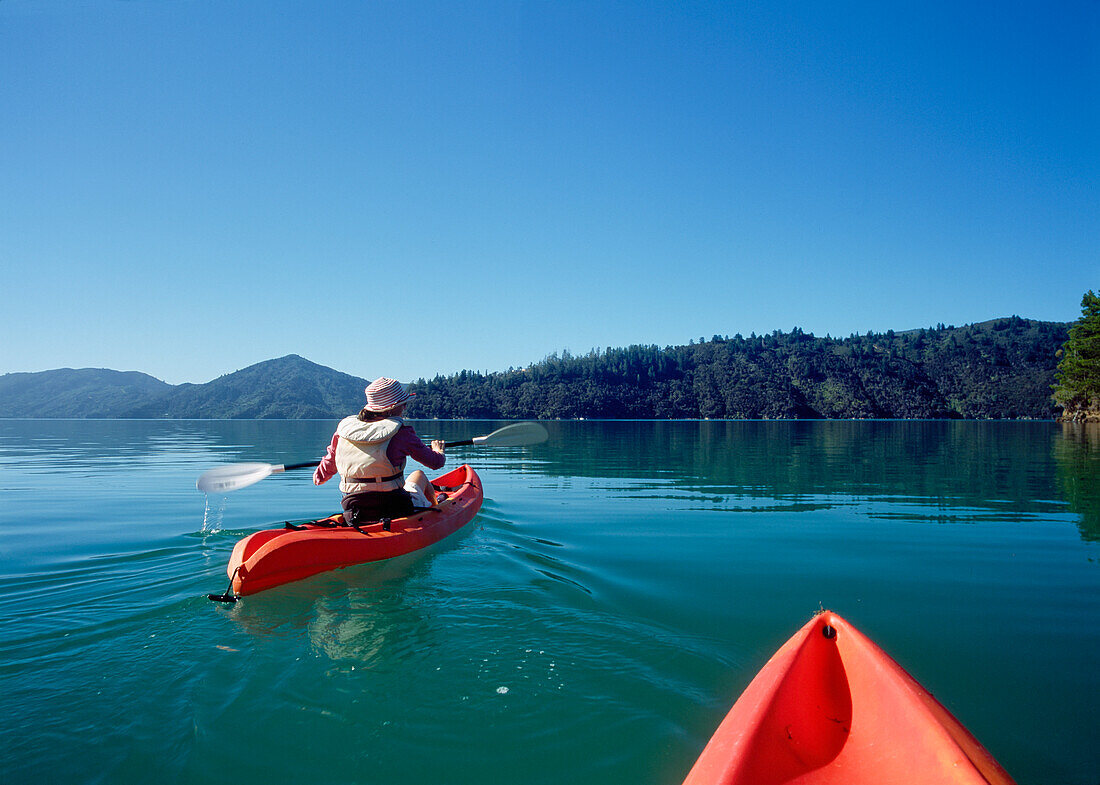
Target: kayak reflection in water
[{"x": 369, "y": 451}]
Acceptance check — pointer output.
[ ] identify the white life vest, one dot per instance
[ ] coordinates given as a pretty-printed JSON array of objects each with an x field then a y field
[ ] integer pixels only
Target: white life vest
[{"x": 361, "y": 455}]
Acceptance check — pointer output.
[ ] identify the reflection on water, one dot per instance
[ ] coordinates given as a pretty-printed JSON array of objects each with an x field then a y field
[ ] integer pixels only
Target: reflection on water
[
  {"x": 1077, "y": 455},
  {"x": 1003, "y": 465},
  {"x": 923, "y": 467},
  {"x": 934, "y": 471}
]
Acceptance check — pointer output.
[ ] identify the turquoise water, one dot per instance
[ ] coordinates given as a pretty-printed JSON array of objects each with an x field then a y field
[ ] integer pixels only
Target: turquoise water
[{"x": 621, "y": 585}]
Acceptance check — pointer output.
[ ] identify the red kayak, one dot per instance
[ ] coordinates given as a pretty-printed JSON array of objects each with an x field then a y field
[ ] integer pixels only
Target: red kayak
[
  {"x": 277, "y": 556},
  {"x": 832, "y": 707}
]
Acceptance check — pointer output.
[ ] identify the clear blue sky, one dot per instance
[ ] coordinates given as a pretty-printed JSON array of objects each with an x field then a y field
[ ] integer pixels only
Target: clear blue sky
[{"x": 188, "y": 187}]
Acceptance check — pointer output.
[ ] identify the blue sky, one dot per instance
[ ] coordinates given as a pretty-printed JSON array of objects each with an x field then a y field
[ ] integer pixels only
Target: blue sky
[{"x": 188, "y": 187}]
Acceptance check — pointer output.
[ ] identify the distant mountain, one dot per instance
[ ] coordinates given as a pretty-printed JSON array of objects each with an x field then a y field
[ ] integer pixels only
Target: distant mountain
[
  {"x": 83, "y": 393},
  {"x": 1003, "y": 368},
  {"x": 290, "y": 387}
]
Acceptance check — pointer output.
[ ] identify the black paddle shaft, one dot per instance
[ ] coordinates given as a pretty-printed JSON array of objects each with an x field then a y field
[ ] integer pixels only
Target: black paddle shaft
[{"x": 304, "y": 465}]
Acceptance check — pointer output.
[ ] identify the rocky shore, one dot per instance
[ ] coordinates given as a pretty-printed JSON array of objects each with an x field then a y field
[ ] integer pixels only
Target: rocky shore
[{"x": 1082, "y": 414}]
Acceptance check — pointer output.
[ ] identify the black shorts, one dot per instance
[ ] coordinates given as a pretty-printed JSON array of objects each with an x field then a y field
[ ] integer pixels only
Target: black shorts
[{"x": 366, "y": 506}]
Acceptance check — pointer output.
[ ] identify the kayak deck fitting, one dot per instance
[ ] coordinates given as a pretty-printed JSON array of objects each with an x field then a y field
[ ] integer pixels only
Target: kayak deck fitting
[
  {"x": 832, "y": 708},
  {"x": 273, "y": 557}
]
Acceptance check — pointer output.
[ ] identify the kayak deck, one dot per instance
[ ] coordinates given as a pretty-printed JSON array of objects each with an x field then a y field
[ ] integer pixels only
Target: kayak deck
[
  {"x": 831, "y": 708},
  {"x": 274, "y": 557}
]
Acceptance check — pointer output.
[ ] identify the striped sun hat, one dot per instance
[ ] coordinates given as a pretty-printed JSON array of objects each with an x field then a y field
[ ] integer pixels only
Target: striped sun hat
[{"x": 384, "y": 394}]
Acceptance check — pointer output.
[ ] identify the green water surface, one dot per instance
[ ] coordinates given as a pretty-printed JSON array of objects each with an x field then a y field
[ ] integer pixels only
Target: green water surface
[{"x": 620, "y": 587}]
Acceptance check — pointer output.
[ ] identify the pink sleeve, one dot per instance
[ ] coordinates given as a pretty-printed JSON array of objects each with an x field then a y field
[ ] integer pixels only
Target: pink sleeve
[
  {"x": 406, "y": 442},
  {"x": 327, "y": 468}
]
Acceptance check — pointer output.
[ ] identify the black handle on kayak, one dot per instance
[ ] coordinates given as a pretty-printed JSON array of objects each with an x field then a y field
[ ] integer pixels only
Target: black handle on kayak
[
  {"x": 228, "y": 597},
  {"x": 460, "y": 443}
]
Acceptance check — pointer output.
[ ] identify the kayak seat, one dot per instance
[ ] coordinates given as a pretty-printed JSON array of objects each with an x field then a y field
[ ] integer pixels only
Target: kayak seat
[{"x": 327, "y": 523}]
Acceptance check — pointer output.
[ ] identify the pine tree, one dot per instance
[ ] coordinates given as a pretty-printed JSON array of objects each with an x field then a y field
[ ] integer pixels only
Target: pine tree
[{"x": 1078, "y": 372}]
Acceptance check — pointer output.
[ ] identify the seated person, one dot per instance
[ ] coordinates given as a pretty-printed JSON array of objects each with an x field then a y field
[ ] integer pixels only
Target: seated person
[{"x": 369, "y": 450}]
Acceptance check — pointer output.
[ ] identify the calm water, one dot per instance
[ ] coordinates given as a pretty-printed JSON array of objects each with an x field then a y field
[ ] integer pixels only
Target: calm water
[{"x": 621, "y": 585}]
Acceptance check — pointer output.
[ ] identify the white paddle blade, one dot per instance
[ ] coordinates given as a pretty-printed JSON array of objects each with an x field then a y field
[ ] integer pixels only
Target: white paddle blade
[
  {"x": 224, "y": 479},
  {"x": 520, "y": 434}
]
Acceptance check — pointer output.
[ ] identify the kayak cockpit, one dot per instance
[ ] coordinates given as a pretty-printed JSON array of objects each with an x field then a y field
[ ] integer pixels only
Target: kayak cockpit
[{"x": 300, "y": 549}]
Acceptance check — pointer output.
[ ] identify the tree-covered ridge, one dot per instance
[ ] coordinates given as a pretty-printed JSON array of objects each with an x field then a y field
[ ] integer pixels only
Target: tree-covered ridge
[
  {"x": 1078, "y": 371},
  {"x": 998, "y": 369}
]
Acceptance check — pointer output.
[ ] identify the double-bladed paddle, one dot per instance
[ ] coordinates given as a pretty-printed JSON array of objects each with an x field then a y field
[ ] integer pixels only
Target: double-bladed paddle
[
  {"x": 224, "y": 479},
  {"x": 520, "y": 434}
]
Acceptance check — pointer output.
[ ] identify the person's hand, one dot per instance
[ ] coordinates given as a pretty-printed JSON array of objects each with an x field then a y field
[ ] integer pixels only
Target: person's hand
[{"x": 438, "y": 445}]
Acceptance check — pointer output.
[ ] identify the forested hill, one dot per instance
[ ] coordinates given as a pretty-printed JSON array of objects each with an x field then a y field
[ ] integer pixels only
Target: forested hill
[
  {"x": 287, "y": 388},
  {"x": 84, "y": 392},
  {"x": 998, "y": 369}
]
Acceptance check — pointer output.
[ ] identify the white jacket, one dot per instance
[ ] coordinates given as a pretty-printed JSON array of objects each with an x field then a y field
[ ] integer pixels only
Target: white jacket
[{"x": 361, "y": 455}]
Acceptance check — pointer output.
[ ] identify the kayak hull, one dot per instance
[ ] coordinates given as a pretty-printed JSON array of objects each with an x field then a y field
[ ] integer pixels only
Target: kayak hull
[
  {"x": 274, "y": 557},
  {"x": 831, "y": 708}
]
